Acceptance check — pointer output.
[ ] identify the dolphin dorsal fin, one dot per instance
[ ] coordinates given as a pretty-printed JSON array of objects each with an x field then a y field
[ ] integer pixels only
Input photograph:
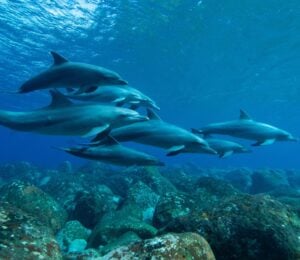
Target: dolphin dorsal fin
[
  {"x": 58, "y": 99},
  {"x": 152, "y": 115},
  {"x": 244, "y": 115},
  {"x": 57, "y": 58}
]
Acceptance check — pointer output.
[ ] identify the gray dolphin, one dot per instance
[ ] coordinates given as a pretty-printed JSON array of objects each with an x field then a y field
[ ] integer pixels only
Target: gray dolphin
[
  {"x": 62, "y": 117},
  {"x": 117, "y": 95},
  {"x": 247, "y": 128},
  {"x": 224, "y": 148},
  {"x": 158, "y": 133},
  {"x": 110, "y": 151},
  {"x": 65, "y": 73}
]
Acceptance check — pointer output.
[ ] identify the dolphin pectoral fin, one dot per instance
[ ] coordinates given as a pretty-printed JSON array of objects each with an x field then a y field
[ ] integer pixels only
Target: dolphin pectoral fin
[
  {"x": 57, "y": 58},
  {"x": 174, "y": 150},
  {"x": 264, "y": 142},
  {"x": 96, "y": 131},
  {"x": 225, "y": 154}
]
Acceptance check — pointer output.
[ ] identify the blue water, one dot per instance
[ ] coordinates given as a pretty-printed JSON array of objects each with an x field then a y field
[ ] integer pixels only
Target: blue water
[{"x": 201, "y": 61}]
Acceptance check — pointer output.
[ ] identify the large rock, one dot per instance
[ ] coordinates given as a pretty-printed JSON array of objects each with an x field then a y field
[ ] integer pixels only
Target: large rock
[
  {"x": 159, "y": 184},
  {"x": 73, "y": 230},
  {"x": 240, "y": 179},
  {"x": 142, "y": 197},
  {"x": 183, "y": 179},
  {"x": 169, "y": 246},
  {"x": 124, "y": 240},
  {"x": 171, "y": 208},
  {"x": 22, "y": 236},
  {"x": 250, "y": 227},
  {"x": 268, "y": 180},
  {"x": 91, "y": 205},
  {"x": 35, "y": 202},
  {"x": 117, "y": 223}
]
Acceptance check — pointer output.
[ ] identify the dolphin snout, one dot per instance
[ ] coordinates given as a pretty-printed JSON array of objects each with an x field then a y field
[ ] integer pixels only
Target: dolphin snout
[
  {"x": 122, "y": 82},
  {"x": 153, "y": 105}
]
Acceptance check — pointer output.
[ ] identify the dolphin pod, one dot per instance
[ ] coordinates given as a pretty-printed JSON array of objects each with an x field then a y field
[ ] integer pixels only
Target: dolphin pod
[{"x": 111, "y": 123}]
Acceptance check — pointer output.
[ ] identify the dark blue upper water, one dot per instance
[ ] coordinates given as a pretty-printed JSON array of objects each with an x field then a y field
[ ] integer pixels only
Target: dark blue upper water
[{"x": 201, "y": 61}]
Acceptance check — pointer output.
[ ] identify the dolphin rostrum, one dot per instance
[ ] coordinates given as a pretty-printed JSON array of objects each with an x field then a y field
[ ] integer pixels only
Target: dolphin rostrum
[
  {"x": 224, "y": 148},
  {"x": 64, "y": 73},
  {"x": 247, "y": 128},
  {"x": 110, "y": 151},
  {"x": 119, "y": 95},
  {"x": 62, "y": 117},
  {"x": 158, "y": 133}
]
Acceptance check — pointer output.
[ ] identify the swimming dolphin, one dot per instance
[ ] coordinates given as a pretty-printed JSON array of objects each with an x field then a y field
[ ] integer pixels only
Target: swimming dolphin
[
  {"x": 117, "y": 95},
  {"x": 224, "y": 148},
  {"x": 110, "y": 151},
  {"x": 158, "y": 133},
  {"x": 247, "y": 128},
  {"x": 64, "y": 73},
  {"x": 62, "y": 117}
]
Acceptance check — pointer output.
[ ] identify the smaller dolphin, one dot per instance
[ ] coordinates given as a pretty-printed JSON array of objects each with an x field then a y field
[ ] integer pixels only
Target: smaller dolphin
[
  {"x": 117, "y": 95},
  {"x": 64, "y": 73},
  {"x": 247, "y": 128},
  {"x": 224, "y": 148},
  {"x": 62, "y": 117},
  {"x": 158, "y": 133},
  {"x": 110, "y": 151}
]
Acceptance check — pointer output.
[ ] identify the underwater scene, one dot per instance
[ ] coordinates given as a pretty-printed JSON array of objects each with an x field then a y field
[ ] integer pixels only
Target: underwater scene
[{"x": 142, "y": 129}]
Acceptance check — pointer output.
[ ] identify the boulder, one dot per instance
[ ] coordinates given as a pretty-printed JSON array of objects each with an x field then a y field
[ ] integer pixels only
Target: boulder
[{"x": 168, "y": 246}]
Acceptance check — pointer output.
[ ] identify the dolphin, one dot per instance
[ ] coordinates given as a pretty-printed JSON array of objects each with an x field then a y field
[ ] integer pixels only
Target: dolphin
[
  {"x": 110, "y": 151},
  {"x": 247, "y": 128},
  {"x": 117, "y": 95},
  {"x": 64, "y": 73},
  {"x": 62, "y": 117},
  {"x": 224, "y": 148},
  {"x": 158, "y": 133}
]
